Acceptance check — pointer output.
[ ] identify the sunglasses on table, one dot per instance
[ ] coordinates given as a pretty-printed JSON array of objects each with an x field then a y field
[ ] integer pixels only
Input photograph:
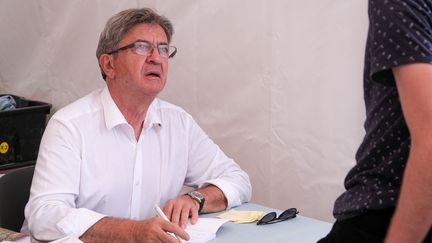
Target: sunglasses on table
[{"x": 272, "y": 218}]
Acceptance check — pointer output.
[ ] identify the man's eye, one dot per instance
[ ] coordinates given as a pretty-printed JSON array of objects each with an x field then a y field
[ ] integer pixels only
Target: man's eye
[
  {"x": 141, "y": 46},
  {"x": 163, "y": 49}
]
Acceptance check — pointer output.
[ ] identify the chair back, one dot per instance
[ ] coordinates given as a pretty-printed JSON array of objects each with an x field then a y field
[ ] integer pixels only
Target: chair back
[{"x": 14, "y": 194}]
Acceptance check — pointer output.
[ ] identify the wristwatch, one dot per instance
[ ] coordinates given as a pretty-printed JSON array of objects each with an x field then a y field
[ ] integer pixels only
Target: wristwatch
[{"x": 198, "y": 197}]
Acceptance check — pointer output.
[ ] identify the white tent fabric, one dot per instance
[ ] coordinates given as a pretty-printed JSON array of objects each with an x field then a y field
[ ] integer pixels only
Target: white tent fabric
[{"x": 277, "y": 84}]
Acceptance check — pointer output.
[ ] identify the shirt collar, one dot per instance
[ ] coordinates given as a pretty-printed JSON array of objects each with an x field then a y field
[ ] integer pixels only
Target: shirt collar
[
  {"x": 114, "y": 117},
  {"x": 112, "y": 114},
  {"x": 153, "y": 118}
]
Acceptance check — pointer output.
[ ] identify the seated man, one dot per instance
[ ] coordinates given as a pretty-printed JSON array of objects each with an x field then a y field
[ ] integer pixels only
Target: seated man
[{"x": 107, "y": 159}]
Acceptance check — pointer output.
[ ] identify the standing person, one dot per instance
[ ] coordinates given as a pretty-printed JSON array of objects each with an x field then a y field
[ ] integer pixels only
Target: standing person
[
  {"x": 107, "y": 159},
  {"x": 389, "y": 190}
]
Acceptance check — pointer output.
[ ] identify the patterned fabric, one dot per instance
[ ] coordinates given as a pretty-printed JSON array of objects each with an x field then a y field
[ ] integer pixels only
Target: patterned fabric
[{"x": 400, "y": 32}]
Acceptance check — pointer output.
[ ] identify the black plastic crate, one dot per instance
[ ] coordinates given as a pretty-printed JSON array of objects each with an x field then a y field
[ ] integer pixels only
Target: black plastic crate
[{"x": 21, "y": 131}]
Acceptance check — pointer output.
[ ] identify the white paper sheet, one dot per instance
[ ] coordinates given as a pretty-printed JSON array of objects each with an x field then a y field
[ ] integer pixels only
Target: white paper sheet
[{"x": 204, "y": 230}]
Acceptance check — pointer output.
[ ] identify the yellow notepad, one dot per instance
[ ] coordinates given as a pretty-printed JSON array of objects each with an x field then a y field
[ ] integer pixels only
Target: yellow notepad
[{"x": 241, "y": 217}]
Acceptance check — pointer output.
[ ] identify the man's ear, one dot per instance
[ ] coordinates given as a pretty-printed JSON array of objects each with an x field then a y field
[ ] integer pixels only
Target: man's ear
[{"x": 107, "y": 64}]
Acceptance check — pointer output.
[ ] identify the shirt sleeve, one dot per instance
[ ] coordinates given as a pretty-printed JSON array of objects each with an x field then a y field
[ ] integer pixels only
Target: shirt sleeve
[
  {"x": 51, "y": 212},
  {"x": 208, "y": 164},
  {"x": 400, "y": 33}
]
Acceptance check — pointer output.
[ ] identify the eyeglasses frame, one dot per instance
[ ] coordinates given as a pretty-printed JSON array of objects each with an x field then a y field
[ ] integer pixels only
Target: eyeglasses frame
[
  {"x": 132, "y": 45},
  {"x": 276, "y": 219}
]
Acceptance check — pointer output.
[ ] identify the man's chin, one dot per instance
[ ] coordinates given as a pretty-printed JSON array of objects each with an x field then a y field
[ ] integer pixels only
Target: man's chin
[{"x": 153, "y": 88}]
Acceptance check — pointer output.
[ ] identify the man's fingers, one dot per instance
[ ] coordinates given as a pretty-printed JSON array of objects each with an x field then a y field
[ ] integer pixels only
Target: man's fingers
[
  {"x": 165, "y": 237},
  {"x": 184, "y": 217},
  {"x": 180, "y": 209},
  {"x": 175, "y": 229},
  {"x": 193, "y": 215},
  {"x": 176, "y": 214},
  {"x": 167, "y": 209}
]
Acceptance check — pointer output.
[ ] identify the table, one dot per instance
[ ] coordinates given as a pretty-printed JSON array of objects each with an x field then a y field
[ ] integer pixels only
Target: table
[{"x": 298, "y": 230}]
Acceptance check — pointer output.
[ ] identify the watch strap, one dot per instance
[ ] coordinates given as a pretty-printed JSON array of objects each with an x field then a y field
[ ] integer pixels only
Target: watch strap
[{"x": 197, "y": 196}]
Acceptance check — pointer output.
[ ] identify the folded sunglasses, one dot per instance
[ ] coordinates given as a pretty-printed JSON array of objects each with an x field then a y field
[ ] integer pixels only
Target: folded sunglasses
[{"x": 271, "y": 218}]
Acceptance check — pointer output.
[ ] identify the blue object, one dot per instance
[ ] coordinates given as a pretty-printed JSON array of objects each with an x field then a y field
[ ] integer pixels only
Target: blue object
[
  {"x": 297, "y": 230},
  {"x": 7, "y": 102}
]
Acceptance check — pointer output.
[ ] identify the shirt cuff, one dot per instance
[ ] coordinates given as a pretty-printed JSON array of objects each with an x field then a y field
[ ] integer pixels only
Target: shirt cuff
[
  {"x": 78, "y": 221},
  {"x": 233, "y": 199}
]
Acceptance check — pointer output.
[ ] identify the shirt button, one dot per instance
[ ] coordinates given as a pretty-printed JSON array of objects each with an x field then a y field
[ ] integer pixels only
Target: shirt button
[{"x": 137, "y": 183}]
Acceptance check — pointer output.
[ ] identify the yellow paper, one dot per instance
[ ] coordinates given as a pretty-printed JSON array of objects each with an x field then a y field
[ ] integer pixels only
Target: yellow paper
[{"x": 241, "y": 217}]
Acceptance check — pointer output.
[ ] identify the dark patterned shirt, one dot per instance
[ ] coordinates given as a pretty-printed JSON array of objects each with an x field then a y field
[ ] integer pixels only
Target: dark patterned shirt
[{"x": 400, "y": 32}]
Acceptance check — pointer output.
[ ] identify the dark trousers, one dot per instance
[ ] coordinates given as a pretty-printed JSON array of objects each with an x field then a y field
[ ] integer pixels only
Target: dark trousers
[{"x": 370, "y": 227}]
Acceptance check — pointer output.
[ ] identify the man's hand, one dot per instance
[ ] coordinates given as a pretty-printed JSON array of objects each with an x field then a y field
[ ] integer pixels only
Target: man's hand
[
  {"x": 122, "y": 230},
  {"x": 180, "y": 209},
  {"x": 155, "y": 230}
]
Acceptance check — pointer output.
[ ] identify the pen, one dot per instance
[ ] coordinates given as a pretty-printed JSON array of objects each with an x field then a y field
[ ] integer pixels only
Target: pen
[{"x": 161, "y": 214}]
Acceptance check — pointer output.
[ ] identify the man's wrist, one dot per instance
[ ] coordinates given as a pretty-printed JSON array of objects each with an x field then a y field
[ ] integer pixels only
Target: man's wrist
[
  {"x": 194, "y": 201},
  {"x": 198, "y": 197}
]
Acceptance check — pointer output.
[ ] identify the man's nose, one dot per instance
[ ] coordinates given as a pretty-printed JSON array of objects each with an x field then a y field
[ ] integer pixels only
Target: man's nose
[{"x": 154, "y": 55}]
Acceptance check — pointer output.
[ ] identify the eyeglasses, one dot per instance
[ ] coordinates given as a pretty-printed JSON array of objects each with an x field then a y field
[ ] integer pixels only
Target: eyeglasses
[
  {"x": 145, "y": 48},
  {"x": 271, "y": 218}
]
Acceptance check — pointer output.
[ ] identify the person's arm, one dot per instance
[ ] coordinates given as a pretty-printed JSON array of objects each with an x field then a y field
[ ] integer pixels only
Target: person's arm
[
  {"x": 51, "y": 212},
  {"x": 123, "y": 230},
  {"x": 221, "y": 180},
  {"x": 216, "y": 199},
  {"x": 413, "y": 216},
  {"x": 179, "y": 210}
]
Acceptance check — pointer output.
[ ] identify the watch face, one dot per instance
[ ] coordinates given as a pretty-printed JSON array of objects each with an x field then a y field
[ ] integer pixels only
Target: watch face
[{"x": 197, "y": 195}]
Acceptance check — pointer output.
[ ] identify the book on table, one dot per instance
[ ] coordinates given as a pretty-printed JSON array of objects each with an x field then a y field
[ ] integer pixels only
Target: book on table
[{"x": 204, "y": 230}]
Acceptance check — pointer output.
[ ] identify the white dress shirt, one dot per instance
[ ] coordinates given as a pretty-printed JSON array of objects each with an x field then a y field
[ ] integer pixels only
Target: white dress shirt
[{"x": 90, "y": 165}]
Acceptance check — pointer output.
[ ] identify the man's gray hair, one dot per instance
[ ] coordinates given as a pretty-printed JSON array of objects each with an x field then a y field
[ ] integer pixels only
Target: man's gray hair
[{"x": 119, "y": 24}]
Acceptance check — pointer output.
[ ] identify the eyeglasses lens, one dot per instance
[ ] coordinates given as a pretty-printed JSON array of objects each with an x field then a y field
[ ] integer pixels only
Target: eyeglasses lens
[
  {"x": 163, "y": 50},
  {"x": 145, "y": 49},
  {"x": 287, "y": 214},
  {"x": 267, "y": 218},
  {"x": 142, "y": 48}
]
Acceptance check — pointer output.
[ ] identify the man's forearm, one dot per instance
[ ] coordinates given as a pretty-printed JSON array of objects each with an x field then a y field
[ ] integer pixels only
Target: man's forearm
[
  {"x": 110, "y": 230},
  {"x": 413, "y": 216},
  {"x": 215, "y": 199}
]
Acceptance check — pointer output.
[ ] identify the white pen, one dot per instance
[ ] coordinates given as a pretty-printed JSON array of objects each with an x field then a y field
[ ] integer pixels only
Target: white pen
[{"x": 161, "y": 214}]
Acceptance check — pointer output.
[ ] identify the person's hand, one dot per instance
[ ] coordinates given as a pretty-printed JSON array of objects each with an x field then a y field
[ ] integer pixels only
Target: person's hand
[
  {"x": 180, "y": 209},
  {"x": 156, "y": 230}
]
